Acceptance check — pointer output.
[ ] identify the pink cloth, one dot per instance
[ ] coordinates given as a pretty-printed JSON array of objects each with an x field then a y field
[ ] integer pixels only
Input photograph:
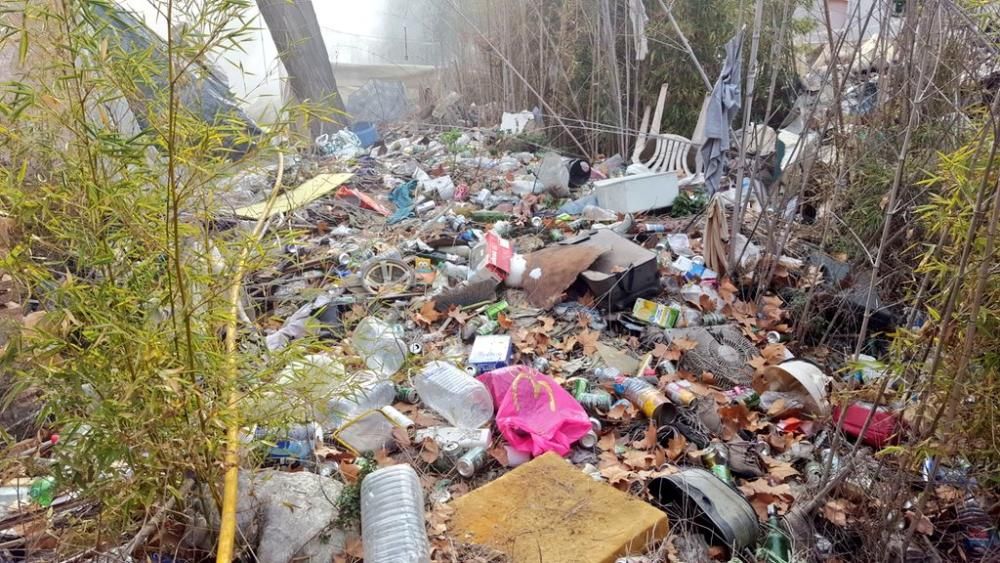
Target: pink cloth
[{"x": 534, "y": 414}]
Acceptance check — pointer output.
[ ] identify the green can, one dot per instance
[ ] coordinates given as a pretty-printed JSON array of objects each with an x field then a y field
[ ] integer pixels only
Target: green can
[
  {"x": 494, "y": 310},
  {"x": 580, "y": 386},
  {"x": 488, "y": 327},
  {"x": 406, "y": 394},
  {"x": 556, "y": 235}
]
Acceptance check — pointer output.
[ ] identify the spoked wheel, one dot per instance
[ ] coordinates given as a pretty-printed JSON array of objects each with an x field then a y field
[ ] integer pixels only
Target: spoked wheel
[{"x": 387, "y": 276}]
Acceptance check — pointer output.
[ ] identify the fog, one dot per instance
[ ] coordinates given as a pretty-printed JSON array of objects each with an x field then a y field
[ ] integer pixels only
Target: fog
[{"x": 365, "y": 32}]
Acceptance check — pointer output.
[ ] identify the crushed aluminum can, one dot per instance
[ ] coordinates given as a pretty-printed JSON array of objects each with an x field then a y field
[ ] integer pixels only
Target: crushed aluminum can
[
  {"x": 588, "y": 440},
  {"x": 406, "y": 395},
  {"x": 541, "y": 364},
  {"x": 713, "y": 319},
  {"x": 595, "y": 400},
  {"x": 471, "y": 461}
]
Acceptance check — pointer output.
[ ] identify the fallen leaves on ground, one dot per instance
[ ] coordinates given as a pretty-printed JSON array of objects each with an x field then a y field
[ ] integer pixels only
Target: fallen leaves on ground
[
  {"x": 588, "y": 340},
  {"x": 429, "y": 450},
  {"x": 648, "y": 440},
  {"x": 460, "y": 316},
  {"x": 676, "y": 446},
  {"x": 427, "y": 315},
  {"x": 836, "y": 511},
  {"x": 438, "y": 518}
]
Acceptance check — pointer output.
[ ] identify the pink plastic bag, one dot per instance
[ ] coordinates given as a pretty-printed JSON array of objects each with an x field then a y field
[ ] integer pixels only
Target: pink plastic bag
[{"x": 534, "y": 413}]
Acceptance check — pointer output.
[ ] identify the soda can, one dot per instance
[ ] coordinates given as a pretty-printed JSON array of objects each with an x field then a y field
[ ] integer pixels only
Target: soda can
[
  {"x": 713, "y": 319},
  {"x": 595, "y": 424},
  {"x": 680, "y": 392},
  {"x": 398, "y": 419},
  {"x": 556, "y": 235},
  {"x": 774, "y": 337},
  {"x": 494, "y": 310},
  {"x": 425, "y": 206},
  {"x": 580, "y": 386},
  {"x": 577, "y": 224},
  {"x": 487, "y": 328},
  {"x": 536, "y": 222},
  {"x": 652, "y": 228},
  {"x": 588, "y": 440},
  {"x": 448, "y": 455},
  {"x": 595, "y": 400},
  {"x": 541, "y": 364},
  {"x": 406, "y": 394},
  {"x": 471, "y": 462},
  {"x": 416, "y": 348}
]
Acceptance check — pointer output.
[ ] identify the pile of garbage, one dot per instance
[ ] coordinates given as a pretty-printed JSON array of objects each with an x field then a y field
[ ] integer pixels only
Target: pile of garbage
[{"x": 536, "y": 357}]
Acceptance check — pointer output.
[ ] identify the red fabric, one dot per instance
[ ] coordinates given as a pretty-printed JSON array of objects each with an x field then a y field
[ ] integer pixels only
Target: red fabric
[{"x": 534, "y": 414}]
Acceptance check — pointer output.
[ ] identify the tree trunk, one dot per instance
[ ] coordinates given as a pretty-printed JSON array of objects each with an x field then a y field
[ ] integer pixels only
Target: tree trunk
[{"x": 300, "y": 44}]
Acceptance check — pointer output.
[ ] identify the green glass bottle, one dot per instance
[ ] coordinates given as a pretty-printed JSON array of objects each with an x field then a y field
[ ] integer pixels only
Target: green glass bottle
[
  {"x": 715, "y": 461},
  {"x": 777, "y": 548}
]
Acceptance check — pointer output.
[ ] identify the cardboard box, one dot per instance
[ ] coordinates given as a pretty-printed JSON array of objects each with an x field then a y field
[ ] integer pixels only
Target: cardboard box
[
  {"x": 622, "y": 274},
  {"x": 490, "y": 352},
  {"x": 659, "y": 314}
]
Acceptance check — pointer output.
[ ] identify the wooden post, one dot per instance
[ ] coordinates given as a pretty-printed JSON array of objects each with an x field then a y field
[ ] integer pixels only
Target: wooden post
[{"x": 296, "y": 33}]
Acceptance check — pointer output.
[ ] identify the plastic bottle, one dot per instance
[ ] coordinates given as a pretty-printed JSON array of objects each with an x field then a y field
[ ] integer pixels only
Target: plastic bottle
[
  {"x": 43, "y": 491},
  {"x": 979, "y": 535},
  {"x": 369, "y": 392},
  {"x": 392, "y": 517},
  {"x": 13, "y": 498},
  {"x": 461, "y": 399},
  {"x": 380, "y": 345}
]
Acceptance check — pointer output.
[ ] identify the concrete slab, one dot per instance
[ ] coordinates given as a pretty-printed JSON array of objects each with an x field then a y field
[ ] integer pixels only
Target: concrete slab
[{"x": 549, "y": 511}]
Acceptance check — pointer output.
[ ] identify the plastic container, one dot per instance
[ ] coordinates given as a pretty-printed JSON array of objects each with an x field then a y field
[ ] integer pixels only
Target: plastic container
[
  {"x": 14, "y": 498},
  {"x": 635, "y": 194},
  {"x": 380, "y": 345},
  {"x": 459, "y": 398},
  {"x": 366, "y": 133},
  {"x": 392, "y": 517}
]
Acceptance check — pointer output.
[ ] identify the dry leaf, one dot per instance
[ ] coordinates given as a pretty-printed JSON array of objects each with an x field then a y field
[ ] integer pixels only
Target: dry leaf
[
  {"x": 499, "y": 453},
  {"x": 504, "y": 321},
  {"x": 780, "y": 471},
  {"x": 727, "y": 291},
  {"x": 660, "y": 350},
  {"x": 588, "y": 339},
  {"x": 459, "y": 316},
  {"x": 607, "y": 441},
  {"x": 355, "y": 548},
  {"x": 429, "y": 450},
  {"x": 705, "y": 303},
  {"x": 683, "y": 344},
  {"x": 676, "y": 446},
  {"x": 427, "y": 315},
  {"x": 401, "y": 436},
  {"x": 924, "y": 526},
  {"x": 383, "y": 459},
  {"x": 648, "y": 439},
  {"x": 776, "y": 408},
  {"x": 836, "y": 511},
  {"x": 638, "y": 459},
  {"x": 350, "y": 472},
  {"x": 548, "y": 323},
  {"x": 616, "y": 474}
]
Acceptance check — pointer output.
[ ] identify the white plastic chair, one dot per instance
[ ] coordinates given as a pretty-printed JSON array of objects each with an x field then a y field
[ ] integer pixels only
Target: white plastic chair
[{"x": 671, "y": 151}]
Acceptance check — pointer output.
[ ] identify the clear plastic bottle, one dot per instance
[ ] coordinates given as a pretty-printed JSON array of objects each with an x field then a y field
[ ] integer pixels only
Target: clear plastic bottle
[
  {"x": 392, "y": 517},
  {"x": 460, "y": 398},
  {"x": 367, "y": 392},
  {"x": 380, "y": 345}
]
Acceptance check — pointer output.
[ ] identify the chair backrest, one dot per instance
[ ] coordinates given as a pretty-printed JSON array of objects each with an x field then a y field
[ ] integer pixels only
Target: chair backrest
[{"x": 671, "y": 155}]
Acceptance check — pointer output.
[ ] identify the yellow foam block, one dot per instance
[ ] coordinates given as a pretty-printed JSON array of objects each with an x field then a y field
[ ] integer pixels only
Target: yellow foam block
[
  {"x": 293, "y": 199},
  {"x": 548, "y": 511}
]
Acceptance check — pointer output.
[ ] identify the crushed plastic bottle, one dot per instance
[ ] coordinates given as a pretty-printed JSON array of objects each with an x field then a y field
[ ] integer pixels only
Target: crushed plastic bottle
[
  {"x": 392, "y": 516},
  {"x": 461, "y": 399},
  {"x": 380, "y": 345}
]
